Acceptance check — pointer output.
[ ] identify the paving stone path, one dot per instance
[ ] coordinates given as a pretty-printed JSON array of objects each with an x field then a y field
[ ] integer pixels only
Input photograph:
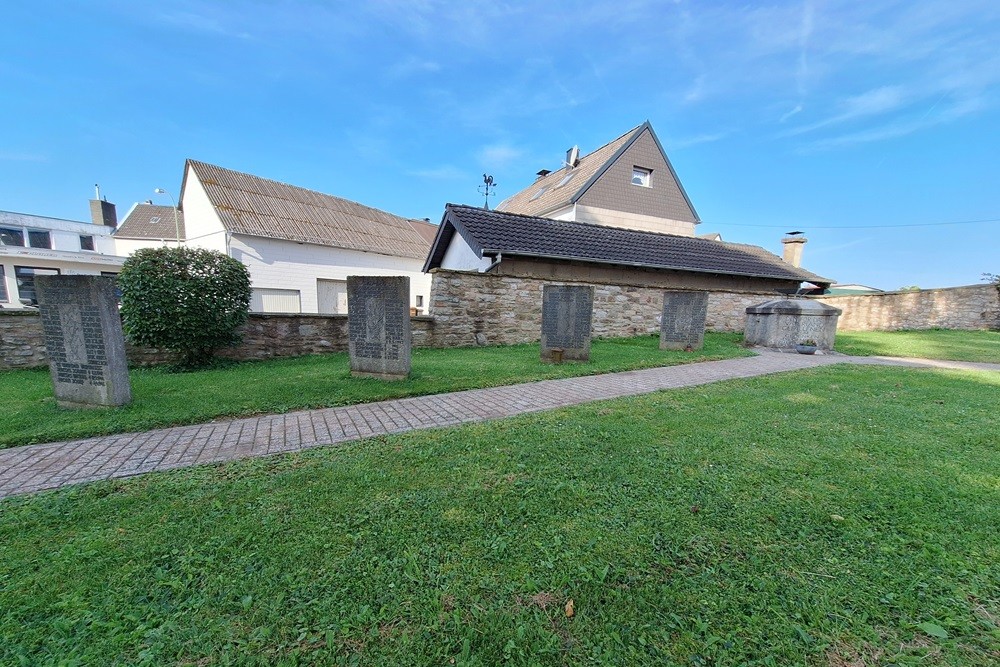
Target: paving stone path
[{"x": 33, "y": 468}]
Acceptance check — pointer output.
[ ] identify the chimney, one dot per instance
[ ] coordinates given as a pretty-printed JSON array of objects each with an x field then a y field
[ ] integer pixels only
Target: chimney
[
  {"x": 573, "y": 156},
  {"x": 102, "y": 212},
  {"x": 542, "y": 173},
  {"x": 793, "y": 249}
]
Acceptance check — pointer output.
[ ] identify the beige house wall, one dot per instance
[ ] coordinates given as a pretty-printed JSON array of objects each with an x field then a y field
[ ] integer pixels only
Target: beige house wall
[{"x": 646, "y": 223}]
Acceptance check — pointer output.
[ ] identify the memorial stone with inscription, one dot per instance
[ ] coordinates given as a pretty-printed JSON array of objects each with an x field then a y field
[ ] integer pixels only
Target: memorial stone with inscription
[
  {"x": 567, "y": 311},
  {"x": 84, "y": 339},
  {"x": 378, "y": 322},
  {"x": 683, "y": 321}
]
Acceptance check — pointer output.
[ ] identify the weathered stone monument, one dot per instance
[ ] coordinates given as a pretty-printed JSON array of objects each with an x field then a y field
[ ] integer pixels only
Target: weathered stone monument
[
  {"x": 378, "y": 323},
  {"x": 683, "y": 320},
  {"x": 84, "y": 340},
  {"x": 567, "y": 311},
  {"x": 785, "y": 323}
]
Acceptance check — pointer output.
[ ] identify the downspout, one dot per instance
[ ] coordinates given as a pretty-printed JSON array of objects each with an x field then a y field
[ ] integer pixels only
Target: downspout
[{"x": 496, "y": 262}]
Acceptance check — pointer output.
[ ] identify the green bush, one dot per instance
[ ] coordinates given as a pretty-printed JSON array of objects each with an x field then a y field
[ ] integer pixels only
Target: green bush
[{"x": 188, "y": 300}]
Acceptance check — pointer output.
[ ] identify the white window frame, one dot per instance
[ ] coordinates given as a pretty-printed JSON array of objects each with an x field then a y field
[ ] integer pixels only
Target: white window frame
[{"x": 643, "y": 175}]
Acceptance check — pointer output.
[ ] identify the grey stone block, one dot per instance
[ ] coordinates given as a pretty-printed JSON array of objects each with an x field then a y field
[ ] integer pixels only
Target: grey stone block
[
  {"x": 378, "y": 316},
  {"x": 682, "y": 322},
  {"x": 84, "y": 339},
  {"x": 567, "y": 312}
]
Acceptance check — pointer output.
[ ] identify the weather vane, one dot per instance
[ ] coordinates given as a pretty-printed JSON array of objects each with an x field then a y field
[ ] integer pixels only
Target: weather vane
[{"x": 486, "y": 189}]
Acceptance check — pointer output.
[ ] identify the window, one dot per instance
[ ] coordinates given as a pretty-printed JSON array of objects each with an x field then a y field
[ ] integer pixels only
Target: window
[
  {"x": 566, "y": 179},
  {"x": 9, "y": 236},
  {"x": 25, "y": 276},
  {"x": 641, "y": 176},
  {"x": 538, "y": 194},
  {"x": 86, "y": 243},
  {"x": 420, "y": 301},
  {"x": 38, "y": 239},
  {"x": 3, "y": 285}
]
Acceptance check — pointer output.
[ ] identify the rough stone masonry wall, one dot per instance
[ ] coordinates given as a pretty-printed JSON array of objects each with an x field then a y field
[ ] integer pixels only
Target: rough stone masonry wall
[
  {"x": 970, "y": 307},
  {"x": 485, "y": 309},
  {"x": 265, "y": 336}
]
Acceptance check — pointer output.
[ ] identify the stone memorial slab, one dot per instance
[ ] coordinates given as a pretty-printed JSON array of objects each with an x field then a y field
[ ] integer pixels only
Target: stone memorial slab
[
  {"x": 567, "y": 311},
  {"x": 683, "y": 321},
  {"x": 785, "y": 323},
  {"x": 84, "y": 340},
  {"x": 378, "y": 323}
]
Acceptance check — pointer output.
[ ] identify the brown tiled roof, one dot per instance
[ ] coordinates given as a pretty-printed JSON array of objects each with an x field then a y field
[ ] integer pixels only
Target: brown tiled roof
[
  {"x": 555, "y": 196},
  {"x": 257, "y": 206},
  {"x": 150, "y": 221},
  {"x": 492, "y": 232},
  {"x": 426, "y": 229}
]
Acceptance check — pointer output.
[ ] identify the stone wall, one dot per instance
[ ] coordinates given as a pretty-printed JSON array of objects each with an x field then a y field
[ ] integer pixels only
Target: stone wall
[
  {"x": 265, "y": 336},
  {"x": 970, "y": 307},
  {"x": 485, "y": 309},
  {"x": 22, "y": 344}
]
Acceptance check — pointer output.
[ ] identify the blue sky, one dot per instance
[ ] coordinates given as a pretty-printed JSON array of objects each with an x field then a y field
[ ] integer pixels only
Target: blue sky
[{"x": 841, "y": 119}]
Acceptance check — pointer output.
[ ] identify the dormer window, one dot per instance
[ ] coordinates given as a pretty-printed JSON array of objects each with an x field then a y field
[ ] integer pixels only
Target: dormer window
[{"x": 640, "y": 176}]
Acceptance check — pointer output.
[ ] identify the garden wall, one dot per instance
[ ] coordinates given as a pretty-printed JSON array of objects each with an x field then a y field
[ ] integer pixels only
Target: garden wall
[{"x": 970, "y": 307}]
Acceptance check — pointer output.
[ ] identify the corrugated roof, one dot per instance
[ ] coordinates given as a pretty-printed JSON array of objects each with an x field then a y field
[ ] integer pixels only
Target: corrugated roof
[
  {"x": 150, "y": 221},
  {"x": 489, "y": 232},
  {"x": 256, "y": 206},
  {"x": 553, "y": 196}
]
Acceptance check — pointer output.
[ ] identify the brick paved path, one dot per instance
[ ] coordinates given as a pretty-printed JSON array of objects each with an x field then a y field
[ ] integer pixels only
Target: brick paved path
[{"x": 39, "y": 467}]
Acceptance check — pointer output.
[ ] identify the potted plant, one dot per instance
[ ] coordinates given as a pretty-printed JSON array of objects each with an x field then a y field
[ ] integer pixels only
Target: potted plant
[{"x": 808, "y": 346}]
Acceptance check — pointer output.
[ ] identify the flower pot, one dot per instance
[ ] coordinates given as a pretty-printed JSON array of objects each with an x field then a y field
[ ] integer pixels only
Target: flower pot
[{"x": 805, "y": 349}]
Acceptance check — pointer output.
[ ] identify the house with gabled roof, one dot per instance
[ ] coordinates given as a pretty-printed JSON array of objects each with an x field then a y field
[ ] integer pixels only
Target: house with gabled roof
[
  {"x": 628, "y": 182},
  {"x": 298, "y": 244},
  {"x": 149, "y": 225},
  {"x": 475, "y": 239}
]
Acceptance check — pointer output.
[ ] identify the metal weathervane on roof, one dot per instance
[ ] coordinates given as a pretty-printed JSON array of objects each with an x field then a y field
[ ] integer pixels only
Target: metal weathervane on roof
[{"x": 486, "y": 189}]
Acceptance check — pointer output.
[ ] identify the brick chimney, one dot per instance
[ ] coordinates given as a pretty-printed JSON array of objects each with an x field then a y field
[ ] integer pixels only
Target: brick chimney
[
  {"x": 103, "y": 212},
  {"x": 793, "y": 249}
]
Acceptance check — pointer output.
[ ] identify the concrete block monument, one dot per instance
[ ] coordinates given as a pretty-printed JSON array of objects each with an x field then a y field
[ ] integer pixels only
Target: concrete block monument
[
  {"x": 682, "y": 324},
  {"x": 378, "y": 323},
  {"x": 567, "y": 311},
  {"x": 785, "y": 323},
  {"x": 84, "y": 339}
]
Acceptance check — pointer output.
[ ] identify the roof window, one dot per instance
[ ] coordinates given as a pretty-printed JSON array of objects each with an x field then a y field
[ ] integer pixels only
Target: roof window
[
  {"x": 541, "y": 191},
  {"x": 566, "y": 179}
]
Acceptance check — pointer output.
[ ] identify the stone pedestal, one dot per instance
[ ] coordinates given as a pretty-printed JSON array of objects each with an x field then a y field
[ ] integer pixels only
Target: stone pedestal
[
  {"x": 682, "y": 323},
  {"x": 84, "y": 340},
  {"x": 785, "y": 323},
  {"x": 378, "y": 322},
  {"x": 567, "y": 311}
]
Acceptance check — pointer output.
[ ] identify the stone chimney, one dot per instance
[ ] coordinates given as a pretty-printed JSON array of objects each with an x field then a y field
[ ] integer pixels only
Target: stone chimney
[{"x": 793, "y": 249}]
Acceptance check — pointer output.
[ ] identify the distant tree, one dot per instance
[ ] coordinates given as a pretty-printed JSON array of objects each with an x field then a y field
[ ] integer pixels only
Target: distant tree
[
  {"x": 992, "y": 278},
  {"x": 909, "y": 288},
  {"x": 188, "y": 300}
]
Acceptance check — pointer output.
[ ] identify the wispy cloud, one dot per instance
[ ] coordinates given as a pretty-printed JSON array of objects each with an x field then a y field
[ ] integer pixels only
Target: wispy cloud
[
  {"x": 499, "y": 156},
  {"x": 443, "y": 173},
  {"x": 200, "y": 22},
  {"x": 412, "y": 66},
  {"x": 870, "y": 103},
  {"x": 687, "y": 142},
  {"x": 11, "y": 156},
  {"x": 791, "y": 112}
]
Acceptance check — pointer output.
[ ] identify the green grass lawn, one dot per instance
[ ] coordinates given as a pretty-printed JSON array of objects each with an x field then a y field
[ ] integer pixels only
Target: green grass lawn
[
  {"x": 841, "y": 516},
  {"x": 162, "y": 398},
  {"x": 928, "y": 344}
]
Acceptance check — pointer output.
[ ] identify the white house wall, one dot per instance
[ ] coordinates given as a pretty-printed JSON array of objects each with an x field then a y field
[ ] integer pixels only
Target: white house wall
[
  {"x": 461, "y": 257},
  {"x": 287, "y": 265},
  {"x": 202, "y": 226}
]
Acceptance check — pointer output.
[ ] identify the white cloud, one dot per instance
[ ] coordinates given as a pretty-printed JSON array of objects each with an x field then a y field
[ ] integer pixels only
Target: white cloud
[
  {"x": 443, "y": 173},
  {"x": 499, "y": 156}
]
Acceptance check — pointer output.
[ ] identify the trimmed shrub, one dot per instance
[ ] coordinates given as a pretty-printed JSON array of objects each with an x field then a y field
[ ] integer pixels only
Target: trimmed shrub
[{"x": 188, "y": 300}]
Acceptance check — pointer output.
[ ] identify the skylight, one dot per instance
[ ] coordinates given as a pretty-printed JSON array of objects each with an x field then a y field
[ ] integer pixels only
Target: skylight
[
  {"x": 541, "y": 191},
  {"x": 155, "y": 218},
  {"x": 566, "y": 179}
]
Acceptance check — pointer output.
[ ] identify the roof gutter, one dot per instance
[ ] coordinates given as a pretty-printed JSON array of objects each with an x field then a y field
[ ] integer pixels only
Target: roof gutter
[{"x": 496, "y": 262}]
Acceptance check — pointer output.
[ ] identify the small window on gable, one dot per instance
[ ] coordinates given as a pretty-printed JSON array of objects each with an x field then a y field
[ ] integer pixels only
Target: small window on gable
[
  {"x": 86, "y": 243},
  {"x": 541, "y": 191},
  {"x": 39, "y": 239},
  {"x": 641, "y": 176}
]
